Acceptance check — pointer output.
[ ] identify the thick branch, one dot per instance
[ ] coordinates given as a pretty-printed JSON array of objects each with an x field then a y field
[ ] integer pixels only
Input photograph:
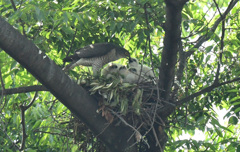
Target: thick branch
[
  {"x": 74, "y": 97},
  {"x": 207, "y": 89},
  {"x": 170, "y": 50},
  {"x": 23, "y": 90}
]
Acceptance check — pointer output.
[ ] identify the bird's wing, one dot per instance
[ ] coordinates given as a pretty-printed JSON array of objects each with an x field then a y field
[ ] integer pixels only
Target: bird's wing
[{"x": 93, "y": 50}]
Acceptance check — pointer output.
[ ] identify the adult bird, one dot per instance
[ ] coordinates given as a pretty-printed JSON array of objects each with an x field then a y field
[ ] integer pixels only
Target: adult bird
[{"x": 96, "y": 56}]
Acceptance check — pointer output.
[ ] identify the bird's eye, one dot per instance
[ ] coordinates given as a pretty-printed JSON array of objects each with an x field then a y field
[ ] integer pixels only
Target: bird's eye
[
  {"x": 114, "y": 66},
  {"x": 123, "y": 67}
]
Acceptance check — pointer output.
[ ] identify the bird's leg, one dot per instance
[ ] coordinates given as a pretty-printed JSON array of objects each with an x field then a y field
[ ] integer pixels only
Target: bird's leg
[{"x": 96, "y": 70}]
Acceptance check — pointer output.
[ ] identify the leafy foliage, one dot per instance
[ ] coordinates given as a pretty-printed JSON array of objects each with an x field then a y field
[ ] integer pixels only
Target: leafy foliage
[{"x": 60, "y": 27}]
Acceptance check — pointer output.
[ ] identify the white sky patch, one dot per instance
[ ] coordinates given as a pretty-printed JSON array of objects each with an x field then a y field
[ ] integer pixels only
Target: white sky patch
[
  {"x": 200, "y": 135},
  {"x": 39, "y": 23},
  {"x": 221, "y": 113}
]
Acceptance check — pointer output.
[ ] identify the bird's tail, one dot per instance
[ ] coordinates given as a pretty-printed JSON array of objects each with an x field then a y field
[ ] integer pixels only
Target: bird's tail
[
  {"x": 71, "y": 58},
  {"x": 69, "y": 66}
]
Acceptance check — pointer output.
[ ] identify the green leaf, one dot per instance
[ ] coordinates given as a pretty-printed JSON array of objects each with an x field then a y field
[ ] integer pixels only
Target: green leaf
[
  {"x": 37, "y": 124},
  {"x": 74, "y": 148},
  {"x": 208, "y": 49},
  {"x": 236, "y": 103},
  {"x": 124, "y": 106},
  {"x": 48, "y": 34},
  {"x": 233, "y": 90},
  {"x": 235, "y": 98},
  {"x": 237, "y": 110},
  {"x": 207, "y": 59},
  {"x": 238, "y": 148},
  {"x": 13, "y": 64},
  {"x": 39, "y": 14},
  {"x": 137, "y": 101},
  {"x": 210, "y": 145},
  {"x": 238, "y": 36},
  {"x": 30, "y": 150},
  {"x": 233, "y": 120},
  {"x": 219, "y": 132}
]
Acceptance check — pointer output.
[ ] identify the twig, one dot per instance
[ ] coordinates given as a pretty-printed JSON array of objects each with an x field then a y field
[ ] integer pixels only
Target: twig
[
  {"x": 30, "y": 104},
  {"x": 207, "y": 89},
  {"x": 127, "y": 124},
  {"x": 3, "y": 91},
  {"x": 70, "y": 48},
  {"x": 103, "y": 130},
  {"x": 24, "y": 89},
  {"x": 218, "y": 8},
  {"x": 23, "y": 109},
  {"x": 204, "y": 38},
  {"x": 222, "y": 44},
  {"x": 4, "y": 131},
  {"x": 52, "y": 133},
  {"x": 156, "y": 138},
  {"x": 22, "y": 23}
]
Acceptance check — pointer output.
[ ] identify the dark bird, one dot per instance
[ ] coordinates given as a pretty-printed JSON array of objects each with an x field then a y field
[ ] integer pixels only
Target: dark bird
[{"x": 96, "y": 55}]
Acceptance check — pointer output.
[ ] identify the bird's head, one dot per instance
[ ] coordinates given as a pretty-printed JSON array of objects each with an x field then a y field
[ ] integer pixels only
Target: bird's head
[
  {"x": 123, "y": 70},
  {"x": 133, "y": 62},
  {"x": 123, "y": 53},
  {"x": 113, "y": 67},
  {"x": 133, "y": 70}
]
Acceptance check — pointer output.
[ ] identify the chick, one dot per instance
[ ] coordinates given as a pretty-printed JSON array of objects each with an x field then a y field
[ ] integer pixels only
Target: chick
[
  {"x": 110, "y": 69},
  {"x": 145, "y": 71},
  {"x": 123, "y": 71},
  {"x": 131, "y": 76},
  {"x": 133, "y": 63}
]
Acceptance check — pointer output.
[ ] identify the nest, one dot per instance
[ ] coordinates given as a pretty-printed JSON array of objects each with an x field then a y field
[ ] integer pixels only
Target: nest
[{"x": 135, "y": 105}]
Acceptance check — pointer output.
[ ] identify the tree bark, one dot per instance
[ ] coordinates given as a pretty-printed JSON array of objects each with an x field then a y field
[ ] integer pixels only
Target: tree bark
[
  {"x": 73, "y": 96},
  {"x": 171, "y": 46}
]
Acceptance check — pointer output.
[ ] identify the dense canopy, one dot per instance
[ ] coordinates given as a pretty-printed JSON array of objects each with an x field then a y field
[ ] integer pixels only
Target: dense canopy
[{"x": 191, "y": 45}]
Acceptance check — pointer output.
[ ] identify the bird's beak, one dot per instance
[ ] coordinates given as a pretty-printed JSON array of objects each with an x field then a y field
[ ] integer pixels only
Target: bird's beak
[{"x": 129, "y": 58}]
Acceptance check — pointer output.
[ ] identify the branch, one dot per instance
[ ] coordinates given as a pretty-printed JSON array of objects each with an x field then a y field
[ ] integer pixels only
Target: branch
[
  {"x": 2, "y": 92},
  {"x": 23, "y": 90},
  {"x": 221, "y": 42},
  {"x": 207, "y": 89},
  {"x": 204, "y": 38},
  {"x": 181, "y": 67},
  {"x": 169, "y": 109},
  {"x": 171, "y": 47},
  {"x": 23, "y": 109}
]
